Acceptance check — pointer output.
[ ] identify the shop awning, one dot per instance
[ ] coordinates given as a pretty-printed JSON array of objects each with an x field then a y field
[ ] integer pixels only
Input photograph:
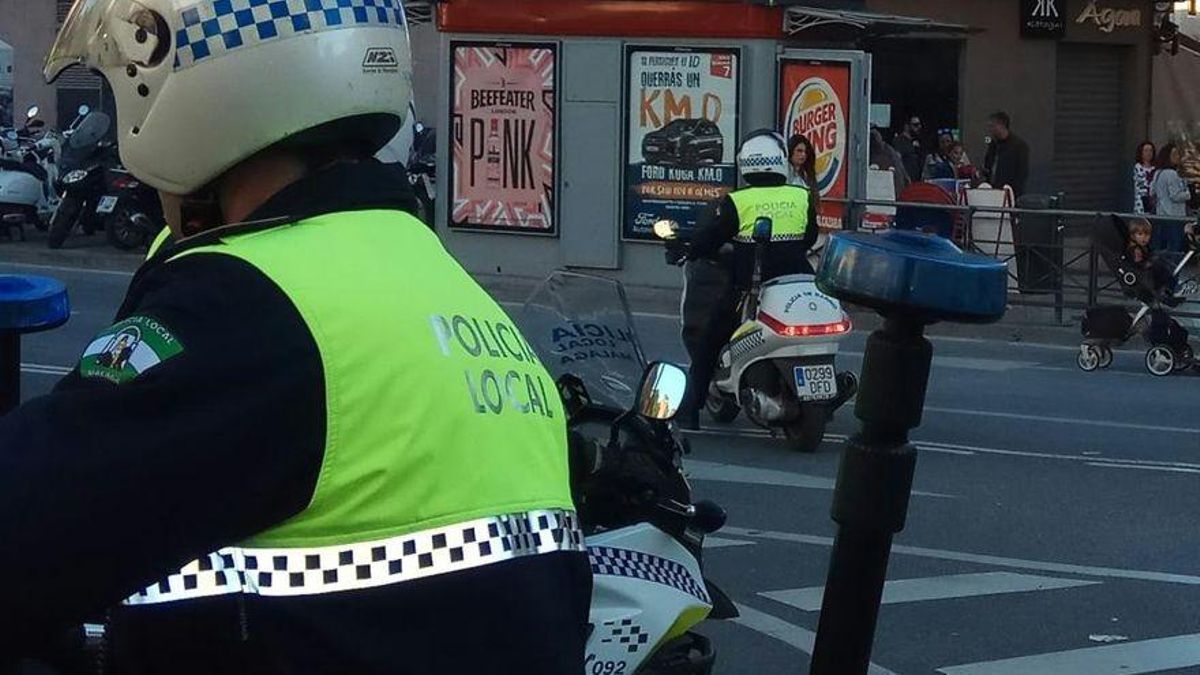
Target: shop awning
[{"x": 797, "y": 19}]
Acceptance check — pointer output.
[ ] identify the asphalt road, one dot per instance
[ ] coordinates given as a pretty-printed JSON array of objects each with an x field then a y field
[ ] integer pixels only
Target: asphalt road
[{"x": 1055, "y": 529}]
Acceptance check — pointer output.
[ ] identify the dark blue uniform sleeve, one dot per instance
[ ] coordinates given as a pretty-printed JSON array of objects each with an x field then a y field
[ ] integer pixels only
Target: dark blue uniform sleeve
[
  {"x": 106, "y": 488},
  {"x": 716, "y": 227}
]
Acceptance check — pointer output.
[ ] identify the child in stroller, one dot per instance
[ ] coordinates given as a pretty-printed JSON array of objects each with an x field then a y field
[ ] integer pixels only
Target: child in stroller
[{"x": 1154, "y": 282}]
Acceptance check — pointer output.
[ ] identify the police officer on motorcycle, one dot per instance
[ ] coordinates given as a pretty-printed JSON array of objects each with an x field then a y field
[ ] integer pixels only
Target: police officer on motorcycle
[
  {"x": 285, "y": 456},
  {"x": 710, "y": 317}
]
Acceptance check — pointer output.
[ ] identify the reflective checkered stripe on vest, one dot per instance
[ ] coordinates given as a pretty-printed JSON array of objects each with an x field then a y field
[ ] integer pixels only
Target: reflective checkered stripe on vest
[
  {"x": 785, "y": 205},
  {"x": 445, "y": 445}
]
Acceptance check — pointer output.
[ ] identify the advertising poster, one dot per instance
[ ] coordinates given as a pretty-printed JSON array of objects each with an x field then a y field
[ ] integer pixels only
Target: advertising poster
[
  {"x": 681, "y": 134},
  {"x": 814, "y": 101},
  {"x": 504, "y": 137}
]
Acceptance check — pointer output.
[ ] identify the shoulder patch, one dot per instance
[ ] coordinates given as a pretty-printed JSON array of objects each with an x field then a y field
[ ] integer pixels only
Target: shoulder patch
[{"x": 128, "y": 349}]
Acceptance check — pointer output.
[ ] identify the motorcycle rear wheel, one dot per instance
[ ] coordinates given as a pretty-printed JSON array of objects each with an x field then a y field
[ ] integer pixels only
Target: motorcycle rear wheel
[
  {"x": 806, "y": 434},
  {"x": 688, "y": 654},
  {"x": 124, "y": 233},
  {"x": 721, "y": 408}
]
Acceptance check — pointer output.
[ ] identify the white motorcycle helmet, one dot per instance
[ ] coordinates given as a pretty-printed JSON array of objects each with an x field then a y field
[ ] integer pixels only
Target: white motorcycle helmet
[
  {"x": 202, "y": 85},
  {"x": 763, "y": 152}
]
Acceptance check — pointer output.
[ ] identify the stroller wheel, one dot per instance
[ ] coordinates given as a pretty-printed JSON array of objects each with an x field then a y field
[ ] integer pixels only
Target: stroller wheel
[
  {"x": 1160, "y": 360},
  {"x": 1088, "y": 359},
  {"x": 1106, "y": 357}
]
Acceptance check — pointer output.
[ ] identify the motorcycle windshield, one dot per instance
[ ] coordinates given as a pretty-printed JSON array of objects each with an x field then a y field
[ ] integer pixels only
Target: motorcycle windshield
[
  {"x": 90, "y": 131},
  {"x": 581, "y": 324}
]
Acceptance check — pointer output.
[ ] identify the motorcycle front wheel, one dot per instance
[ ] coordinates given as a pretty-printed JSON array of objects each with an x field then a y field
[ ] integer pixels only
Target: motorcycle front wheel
[{"x": 63, "y": 221}]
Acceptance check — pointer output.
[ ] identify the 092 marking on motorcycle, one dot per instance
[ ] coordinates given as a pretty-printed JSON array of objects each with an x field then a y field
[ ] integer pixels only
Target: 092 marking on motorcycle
[{"x": 597, "y": 667}]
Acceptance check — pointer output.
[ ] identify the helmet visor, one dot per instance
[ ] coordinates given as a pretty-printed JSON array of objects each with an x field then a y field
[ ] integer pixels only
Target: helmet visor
[{"x": 101, "y": 34}]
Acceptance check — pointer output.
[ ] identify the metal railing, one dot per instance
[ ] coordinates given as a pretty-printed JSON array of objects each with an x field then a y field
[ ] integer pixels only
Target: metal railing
[{"x": 1067, "y": 272}]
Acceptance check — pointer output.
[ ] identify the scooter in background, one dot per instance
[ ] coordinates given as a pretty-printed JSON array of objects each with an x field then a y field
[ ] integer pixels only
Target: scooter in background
[
  {"x": 780, "y": 365},
  {"x": 28, "y": 173}
]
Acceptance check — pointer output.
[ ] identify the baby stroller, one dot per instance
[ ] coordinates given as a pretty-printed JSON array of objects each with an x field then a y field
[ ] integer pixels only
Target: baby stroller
[{"x": 1157, "y": 290}]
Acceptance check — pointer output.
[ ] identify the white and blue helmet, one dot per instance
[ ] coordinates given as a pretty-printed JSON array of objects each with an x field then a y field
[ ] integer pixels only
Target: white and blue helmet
[{"x": 763, "y": 152}]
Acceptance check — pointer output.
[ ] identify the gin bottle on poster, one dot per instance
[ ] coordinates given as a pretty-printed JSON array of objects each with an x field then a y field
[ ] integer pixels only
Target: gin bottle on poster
[{"x": 493, "y": 155}]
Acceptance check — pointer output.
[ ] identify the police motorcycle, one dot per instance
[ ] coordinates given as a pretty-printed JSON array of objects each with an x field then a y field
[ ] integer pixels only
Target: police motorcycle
[
  {"x": 98, "y": 194},
  {"x": 644, "y": 533},
  {"x": 28, "y": 172},
  {"x": 780, "y": 365}
]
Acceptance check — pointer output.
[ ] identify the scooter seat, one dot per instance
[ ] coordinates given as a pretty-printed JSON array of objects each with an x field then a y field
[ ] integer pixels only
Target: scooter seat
[{"x": 34, "y": 170}]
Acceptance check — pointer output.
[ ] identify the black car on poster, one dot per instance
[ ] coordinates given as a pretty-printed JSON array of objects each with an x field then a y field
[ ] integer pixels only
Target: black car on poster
[{"x": 686, "y": 141}]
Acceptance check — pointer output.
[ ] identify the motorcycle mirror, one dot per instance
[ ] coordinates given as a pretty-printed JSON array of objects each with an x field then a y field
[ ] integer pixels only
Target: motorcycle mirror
[
  {"x": 666, "y": 230},
  {"x": 32, "y": 112},
  {"x": 661, "y": 392},
  {"x": 84, "y": 110},
  {"x": 762, "y": 230}
]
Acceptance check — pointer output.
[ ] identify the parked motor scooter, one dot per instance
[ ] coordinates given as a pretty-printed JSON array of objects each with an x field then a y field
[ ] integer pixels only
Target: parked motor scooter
[
  {"x": 28, "y": 172},
  {"x": 780, "y": 364},
  {"x": 99, "y": 194}
]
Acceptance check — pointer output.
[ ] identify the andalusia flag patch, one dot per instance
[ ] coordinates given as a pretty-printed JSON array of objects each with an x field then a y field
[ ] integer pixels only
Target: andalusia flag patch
[{"x": 129, "y": 349}]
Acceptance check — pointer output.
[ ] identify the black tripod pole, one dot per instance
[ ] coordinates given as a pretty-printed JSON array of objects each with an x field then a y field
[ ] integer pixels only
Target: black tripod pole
[
  {"x": 870, "y": 501},
  {"x": 10, "y": 371}
]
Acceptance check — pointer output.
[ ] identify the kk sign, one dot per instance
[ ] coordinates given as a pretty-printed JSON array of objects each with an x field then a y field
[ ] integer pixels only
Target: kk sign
[{"x": 1043, "y": 18}]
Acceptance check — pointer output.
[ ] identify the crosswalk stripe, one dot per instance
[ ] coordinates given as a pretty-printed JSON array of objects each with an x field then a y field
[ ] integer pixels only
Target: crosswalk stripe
[
  {"x": 733, "y": 473},
  {"x": 946, "y": 587},
  {"x": 721, "y": 542},
  {"x": 1129, "y": 658}
]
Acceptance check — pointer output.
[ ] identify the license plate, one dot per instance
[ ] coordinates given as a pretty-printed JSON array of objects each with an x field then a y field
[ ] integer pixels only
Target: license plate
[
  {"x": 816, "y": 382},
  {"x": 107, "y": 205}
]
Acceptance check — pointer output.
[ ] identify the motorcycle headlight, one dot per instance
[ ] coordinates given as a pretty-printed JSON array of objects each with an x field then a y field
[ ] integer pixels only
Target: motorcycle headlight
[{"x": 74, "y": 176}]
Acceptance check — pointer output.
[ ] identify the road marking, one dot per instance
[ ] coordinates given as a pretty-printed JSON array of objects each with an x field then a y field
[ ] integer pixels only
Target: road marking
[
  {"x": 947, "y": 587},
  {"x": 992, "y": 560},
  {"x": 790, "y": 634},
  {"x": 1173, "y": 469},
  {"x": 1131, "y": 463},
  {"x": 733, "y": 473},
  {"x": 66, "y": 268},
  {"x": 39, "y": 369},
  {"x": 1062, "y": 420},
  {"x": 721, "y": 542},
  {"x": 1130, "y": 658},
  {"x": 966, "y": 363}
]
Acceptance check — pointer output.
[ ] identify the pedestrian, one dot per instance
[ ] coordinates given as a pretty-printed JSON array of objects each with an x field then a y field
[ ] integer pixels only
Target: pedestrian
[
  {"x": 885, "y": 158},
  {"x": 963, "y": 170},
  {"x": 1171, "y": 195},
  {"x": 1006, "y": 163},
  {"x": 939, "y": 165},
  {"x": 803, "y": 161},
  {"x": 908, "y": 144},
  {"x": 308, "y": 464},
  {"x": 1143, "y": 178}
]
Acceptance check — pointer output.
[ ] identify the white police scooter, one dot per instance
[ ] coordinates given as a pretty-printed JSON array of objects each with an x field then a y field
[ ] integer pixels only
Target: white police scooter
[
  {"x": 29, "y": 174},
  {"x": 780, "y": 364}
]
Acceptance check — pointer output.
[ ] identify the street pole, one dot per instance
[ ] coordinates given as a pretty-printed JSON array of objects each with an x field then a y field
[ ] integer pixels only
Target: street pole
[{"x": 913, "y": 280}]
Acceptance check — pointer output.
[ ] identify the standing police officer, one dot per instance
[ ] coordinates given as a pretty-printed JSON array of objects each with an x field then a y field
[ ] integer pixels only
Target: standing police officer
[
  {"x": 763, "y": 163},
  {"x": 310, "y": 443}
]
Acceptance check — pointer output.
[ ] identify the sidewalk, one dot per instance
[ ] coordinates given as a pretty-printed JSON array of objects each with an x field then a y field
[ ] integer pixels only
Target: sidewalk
[{"x": 1020, "y": 324}]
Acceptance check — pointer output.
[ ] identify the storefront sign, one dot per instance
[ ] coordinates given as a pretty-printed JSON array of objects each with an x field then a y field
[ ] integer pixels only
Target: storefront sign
[
  {"x": 1108, "y": 18},
  {"x": 1042, "y": 19},
  {"x": 504, "y": 137},
  {"x": 815, "y": 101},
  {"x": 681, "y": 134}
]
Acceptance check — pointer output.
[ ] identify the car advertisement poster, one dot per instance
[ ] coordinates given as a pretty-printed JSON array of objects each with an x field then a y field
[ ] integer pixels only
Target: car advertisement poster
[
  {"x": 814, "y": 101},
  {"x": 681, "y": 134},
  {"x": 504, "y": 137}
]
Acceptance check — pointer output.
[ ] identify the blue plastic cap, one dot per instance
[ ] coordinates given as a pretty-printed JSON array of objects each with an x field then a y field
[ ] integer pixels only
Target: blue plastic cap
[
  {"x": 923, "y": 275},
  {"x": 31, "y": 304}
]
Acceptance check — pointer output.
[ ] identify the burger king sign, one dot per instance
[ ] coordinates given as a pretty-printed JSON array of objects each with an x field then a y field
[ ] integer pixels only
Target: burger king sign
[{"x": 816, "y": 111}]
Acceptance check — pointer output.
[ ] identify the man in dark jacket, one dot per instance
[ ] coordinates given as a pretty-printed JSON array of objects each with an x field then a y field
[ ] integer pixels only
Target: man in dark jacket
[{"x": 1007, "y": 159}]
